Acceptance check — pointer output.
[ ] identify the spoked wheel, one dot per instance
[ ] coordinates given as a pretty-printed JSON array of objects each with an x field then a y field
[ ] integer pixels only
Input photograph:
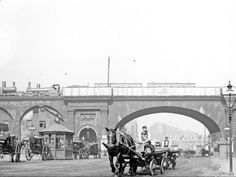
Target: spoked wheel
[
  {"x": 168, "y": 163},
  {"x": 152, "y": 166},
  {"x": 45, "y": 153},
  {"x": 163, "y": 165},
  {"x": 28, "y": 153}
]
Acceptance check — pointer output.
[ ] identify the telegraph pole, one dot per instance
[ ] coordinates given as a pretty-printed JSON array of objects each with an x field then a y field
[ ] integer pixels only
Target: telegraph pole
[{"x": 108, "y": 73}]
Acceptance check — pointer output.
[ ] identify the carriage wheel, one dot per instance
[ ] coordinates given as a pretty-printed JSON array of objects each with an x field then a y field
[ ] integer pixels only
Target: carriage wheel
[
  {"x": 152, "y": 166},
  {"x": 45, "y": 153},
  {"x": 28, "y": 153},
  {"x": 168, "y": 162},
  {"x": 163, "y": 165},
  {"x": 75, "y": 155}
]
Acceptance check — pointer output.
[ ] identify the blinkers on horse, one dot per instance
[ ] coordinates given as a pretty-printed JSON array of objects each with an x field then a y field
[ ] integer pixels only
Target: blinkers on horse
[{"x": 119, "y": 144}]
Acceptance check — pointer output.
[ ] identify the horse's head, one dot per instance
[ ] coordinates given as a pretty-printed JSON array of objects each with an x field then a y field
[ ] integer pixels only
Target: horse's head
[{"x": 111, "y": 136}]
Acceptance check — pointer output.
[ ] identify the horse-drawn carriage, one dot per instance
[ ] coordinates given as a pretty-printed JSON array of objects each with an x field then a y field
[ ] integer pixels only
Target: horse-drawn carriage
[
  {"x": 9, "y": 144},
  {"x": 124, "y": 149},
  {"x": 83, "y": 150},
  {"x": 36, "y": 145}
]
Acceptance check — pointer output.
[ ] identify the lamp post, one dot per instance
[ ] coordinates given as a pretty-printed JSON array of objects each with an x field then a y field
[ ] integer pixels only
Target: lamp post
[
  {"x": 229, "y": 99},
  {"x": 227, "y": 142}
]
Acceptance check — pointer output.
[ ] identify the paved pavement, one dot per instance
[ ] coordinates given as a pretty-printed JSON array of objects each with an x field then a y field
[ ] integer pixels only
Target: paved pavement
[{"x": 224, "y": 165}]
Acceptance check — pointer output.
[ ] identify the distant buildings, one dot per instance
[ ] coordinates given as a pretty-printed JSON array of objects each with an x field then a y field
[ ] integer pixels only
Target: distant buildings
[{"x": 182, "y": 138}]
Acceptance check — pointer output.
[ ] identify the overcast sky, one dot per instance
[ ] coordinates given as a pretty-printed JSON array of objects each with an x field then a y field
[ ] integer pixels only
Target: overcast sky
[{"x": 68, "y": 42}]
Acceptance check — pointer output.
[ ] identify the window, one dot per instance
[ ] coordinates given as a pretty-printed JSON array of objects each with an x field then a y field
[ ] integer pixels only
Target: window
[
  {"x": 42, "y": 124},
  {"x": 6, "y": 122},
  {"x": 28, "y": 124},
  {"x": 51, "y": 138},
  {"x": 60, "y": 142},
  {"x": 69, "y": 142}
]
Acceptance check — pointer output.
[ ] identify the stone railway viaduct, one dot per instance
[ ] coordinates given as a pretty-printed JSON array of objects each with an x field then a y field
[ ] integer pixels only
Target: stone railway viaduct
[{"x": 114, "y": 109}]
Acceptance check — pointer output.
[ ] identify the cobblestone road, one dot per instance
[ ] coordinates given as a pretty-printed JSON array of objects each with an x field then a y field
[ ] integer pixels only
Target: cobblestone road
[{"x": 100, "y": 167}]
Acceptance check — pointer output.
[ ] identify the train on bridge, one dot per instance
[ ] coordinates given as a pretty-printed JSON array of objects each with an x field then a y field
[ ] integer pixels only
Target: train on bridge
[
  {"x": 113, "y": 89},
  {"x": 53, "y": 90}
]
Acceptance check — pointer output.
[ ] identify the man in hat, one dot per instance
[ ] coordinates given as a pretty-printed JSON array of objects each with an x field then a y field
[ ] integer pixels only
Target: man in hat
[
  {"x": 145, "y": 137},
  {"x": 166, "y": 142}
]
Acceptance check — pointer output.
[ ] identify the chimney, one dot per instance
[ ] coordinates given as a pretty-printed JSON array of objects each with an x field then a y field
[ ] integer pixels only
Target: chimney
[
  {"x": 4, "y": 83},
  {"x": 14, "y": 84},
  {"x": 38, "y": 86}
]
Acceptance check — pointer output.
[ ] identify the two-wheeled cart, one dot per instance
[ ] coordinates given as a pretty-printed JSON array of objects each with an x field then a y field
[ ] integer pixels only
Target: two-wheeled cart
[{"x": 152, "y": 159}]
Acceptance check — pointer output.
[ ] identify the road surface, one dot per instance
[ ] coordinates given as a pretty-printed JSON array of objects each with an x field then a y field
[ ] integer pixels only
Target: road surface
[{"x": 194, "y": 166}]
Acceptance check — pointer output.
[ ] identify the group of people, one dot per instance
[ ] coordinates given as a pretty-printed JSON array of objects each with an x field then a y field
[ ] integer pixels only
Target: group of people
[{"x": 146, "y": 139}]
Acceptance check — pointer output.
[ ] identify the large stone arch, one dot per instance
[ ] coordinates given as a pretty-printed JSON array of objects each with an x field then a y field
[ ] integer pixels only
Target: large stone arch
[
  {"x": 204, "y": 119},
  {"x": 5, "y": 111},
  {"x": 38, "y": 106},
  {"x": 6, "y": 117},
  {"x": 88, "y": 127}
]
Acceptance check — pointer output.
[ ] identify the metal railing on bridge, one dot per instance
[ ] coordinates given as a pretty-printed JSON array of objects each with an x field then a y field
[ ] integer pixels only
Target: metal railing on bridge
[{"x": 141, "y": 91}]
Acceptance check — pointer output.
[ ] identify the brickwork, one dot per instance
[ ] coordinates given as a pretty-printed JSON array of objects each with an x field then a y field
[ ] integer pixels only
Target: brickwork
[{"x": 99, "y": 112}]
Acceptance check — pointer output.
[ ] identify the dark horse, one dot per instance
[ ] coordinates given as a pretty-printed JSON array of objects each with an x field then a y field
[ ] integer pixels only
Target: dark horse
[{"x": 120, "y": 145}]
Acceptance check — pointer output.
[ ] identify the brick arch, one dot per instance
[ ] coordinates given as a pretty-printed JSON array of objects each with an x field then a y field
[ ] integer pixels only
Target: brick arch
[
  {"x": 204, "y": 119},
  {"x": 30, "y": 109},
  {"x": 38, "y": 106},
  {"x": 4, "y": 110},
  {"x": 91, "y": 127}
]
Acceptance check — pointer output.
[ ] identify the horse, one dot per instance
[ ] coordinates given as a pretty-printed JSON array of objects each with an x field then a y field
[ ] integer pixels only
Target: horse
[{"x": 118, "y": 145}]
